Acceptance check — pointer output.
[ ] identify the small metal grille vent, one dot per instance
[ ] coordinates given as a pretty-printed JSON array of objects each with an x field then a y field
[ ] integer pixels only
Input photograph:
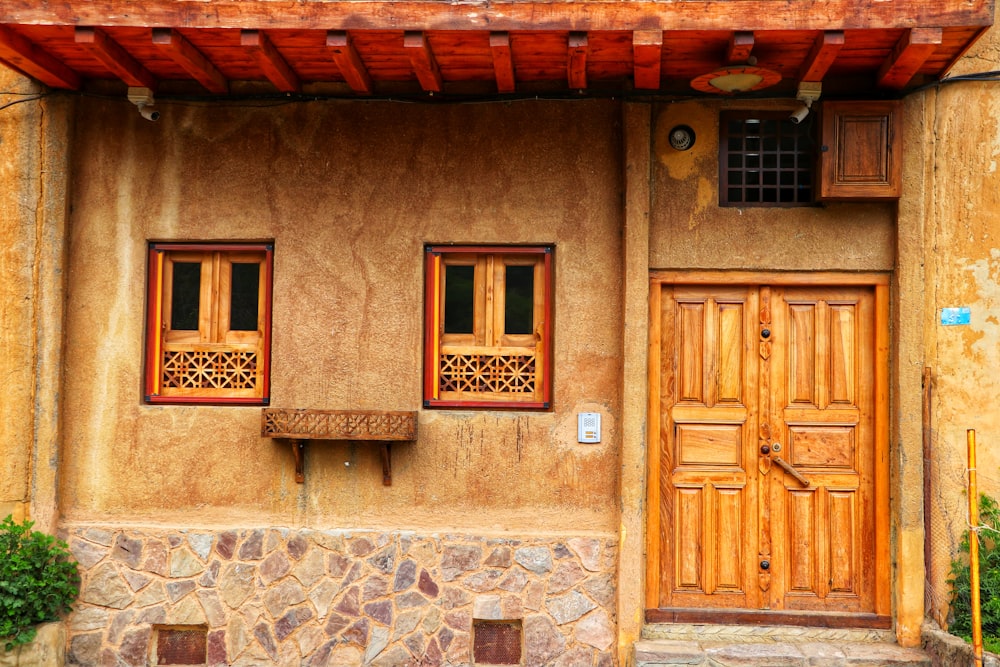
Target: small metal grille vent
[
  {"x": 181, "y": 646},
  {"x": 496, "y": 643}
]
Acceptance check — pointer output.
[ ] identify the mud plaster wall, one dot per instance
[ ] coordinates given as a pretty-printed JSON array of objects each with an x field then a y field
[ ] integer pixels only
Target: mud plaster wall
[
  {"x": 17, "y": 220},
  {"x": 349, "y": 193},
  {"x": 688, "y": 228},
  {"x": 34, "y": 153},
  {"x": 962, "y": 259}
]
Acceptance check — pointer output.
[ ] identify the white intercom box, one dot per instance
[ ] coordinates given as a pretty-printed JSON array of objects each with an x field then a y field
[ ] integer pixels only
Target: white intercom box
[{"x": 588, "y": 427}]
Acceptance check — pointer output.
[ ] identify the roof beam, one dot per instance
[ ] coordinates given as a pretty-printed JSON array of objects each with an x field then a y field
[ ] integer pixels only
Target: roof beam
[
  {"x": 270, "y": 61},
  {"x": 503, "y": 62},
  {"x": 647, "y": 55},
  {"x": 185, "y": 54},
  {"x": 503, "y": 14},
  {"x": 114, "y": 57},
  {"x": 576, "y": 65},
  {"x": 349, "y": 62},
  {"x": 824, "y": 51},
  {"x": 422, "y": 59},
  {"x": 35, "y": 62},
  {"x": 740, "y": 46},
  {"x": 908, "y": 56}
]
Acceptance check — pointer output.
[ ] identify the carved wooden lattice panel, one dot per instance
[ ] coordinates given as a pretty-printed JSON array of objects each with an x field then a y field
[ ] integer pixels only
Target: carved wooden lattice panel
[
  {"x": 200, "y": 369},
  {"x": 338, "y": 424},
  {"x": 486, "y": 373}
]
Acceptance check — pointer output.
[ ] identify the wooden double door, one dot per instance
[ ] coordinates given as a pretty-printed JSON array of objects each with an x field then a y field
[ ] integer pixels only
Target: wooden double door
[{"x": 768, "y": 483}]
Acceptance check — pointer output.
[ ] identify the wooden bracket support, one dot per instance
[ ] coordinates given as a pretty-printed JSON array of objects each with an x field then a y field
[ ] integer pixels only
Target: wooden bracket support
[{"x": 299, "y": 451}]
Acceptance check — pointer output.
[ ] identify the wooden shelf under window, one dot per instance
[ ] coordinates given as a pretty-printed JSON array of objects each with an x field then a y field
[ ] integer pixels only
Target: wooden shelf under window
[{"x": 376, "y": 426}]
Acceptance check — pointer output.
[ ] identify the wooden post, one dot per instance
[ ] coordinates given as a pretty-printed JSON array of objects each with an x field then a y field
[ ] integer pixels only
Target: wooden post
[{"x": 977, "y": 630}]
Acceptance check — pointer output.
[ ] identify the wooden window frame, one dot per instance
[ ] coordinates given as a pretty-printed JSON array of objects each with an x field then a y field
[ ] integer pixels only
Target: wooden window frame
[
  {"x": 806, "y": 136},
  {"x": 213, "y": 335},
  {"x": 488, "y": 326}
]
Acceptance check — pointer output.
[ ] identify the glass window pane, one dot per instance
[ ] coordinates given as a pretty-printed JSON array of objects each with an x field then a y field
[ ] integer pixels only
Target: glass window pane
[
  {"x": 519, "y": 300},
  {"x": 185, "y": 296},
  {"x": 243, "y": 297},
  {"x": 459, "y": 297}
]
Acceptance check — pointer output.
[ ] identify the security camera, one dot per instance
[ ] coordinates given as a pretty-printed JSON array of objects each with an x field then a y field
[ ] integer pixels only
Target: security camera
[
  {"x": 799, "y": 114},
  {"x": 142, "y": 98},
  {"x": 148, "y": 112}
]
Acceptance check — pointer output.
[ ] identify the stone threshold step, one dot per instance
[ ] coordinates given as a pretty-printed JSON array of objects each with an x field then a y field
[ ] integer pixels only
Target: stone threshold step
[
  {"x": 683, "y": 653},
  {"x": 763, "y": 634}
]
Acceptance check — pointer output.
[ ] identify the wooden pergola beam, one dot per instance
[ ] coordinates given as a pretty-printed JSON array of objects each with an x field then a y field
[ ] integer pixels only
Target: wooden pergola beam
[
  {"x": 114, "y": 57},
  {"x": 33, "y": 61},
  {"x": 508, "y": 15},
  {"x": 739, "y": 48},
  {"x": 422, "y": 59},
  {"x": 270, "y": 61},
  {"x": 908, "y": 56},
  {"x": 824, "y": 51},
  {"x": 647, "y": 56},
  {"x": 349, "y": 62},
  {"x": 185, "y": 54},
  {"x": 576, "y": 60},
  {"x": 503, "y": 62}
]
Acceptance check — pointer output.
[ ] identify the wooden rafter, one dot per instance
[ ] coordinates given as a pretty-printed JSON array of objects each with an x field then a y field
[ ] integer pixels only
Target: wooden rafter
[
  {"x": 576, "y": 65},
  {"x": 739, "y": 48},
  {"x": 114, "y": 57},
  {"x": 503, "y": 14},
  {"x": 422, "y": 59},
  {"x": 910, "y": 53},
  {"x": 647, "y": 55},
  {"x": 824, "y": 51},
  {"x": 503, "y": 62},
  {"x": 349, "y": 61},
  {"x": 270, "y": 61},
  {"x": 35, "y": 62},
  {"x": 185, "y": 54}
]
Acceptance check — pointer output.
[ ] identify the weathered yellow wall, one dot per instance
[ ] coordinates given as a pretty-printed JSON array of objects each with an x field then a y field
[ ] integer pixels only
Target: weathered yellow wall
[
  {"x": 689, "y": 229},
  {"x": 34, "y": 152},
  {"x": 349, "y": 193},
  {"x": 962, "y": 258},
  {"x": 19, "y": 162}
]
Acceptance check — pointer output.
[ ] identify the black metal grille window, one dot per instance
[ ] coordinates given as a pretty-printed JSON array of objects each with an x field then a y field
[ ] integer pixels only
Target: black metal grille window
[{"x": 765, "y": 160}]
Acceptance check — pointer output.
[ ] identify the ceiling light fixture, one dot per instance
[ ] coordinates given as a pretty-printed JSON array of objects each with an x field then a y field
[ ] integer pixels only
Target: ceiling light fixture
[{"x": 736, "y": 79}]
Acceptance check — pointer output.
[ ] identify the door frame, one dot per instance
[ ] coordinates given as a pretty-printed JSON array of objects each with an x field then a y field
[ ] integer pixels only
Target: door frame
[{"x": 654, "y": 558}]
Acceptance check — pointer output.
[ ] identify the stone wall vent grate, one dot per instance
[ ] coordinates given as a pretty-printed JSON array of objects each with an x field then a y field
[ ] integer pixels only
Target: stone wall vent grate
[
  {"x": 496, "y": 643},
  {"x": 181, "y": 646}
]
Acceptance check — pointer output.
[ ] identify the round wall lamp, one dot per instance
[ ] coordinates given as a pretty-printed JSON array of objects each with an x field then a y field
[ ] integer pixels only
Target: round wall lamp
[
  {"x": 736, "y": 79},
  {"x": 681, "y": 137}
]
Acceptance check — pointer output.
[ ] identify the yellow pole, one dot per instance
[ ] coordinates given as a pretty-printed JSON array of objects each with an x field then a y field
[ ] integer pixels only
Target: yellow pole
[{"x": 977, "y": 628}]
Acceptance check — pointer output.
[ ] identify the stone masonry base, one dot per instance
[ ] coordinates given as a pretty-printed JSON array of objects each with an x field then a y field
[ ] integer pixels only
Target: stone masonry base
[{"x": 275, "y": 596}]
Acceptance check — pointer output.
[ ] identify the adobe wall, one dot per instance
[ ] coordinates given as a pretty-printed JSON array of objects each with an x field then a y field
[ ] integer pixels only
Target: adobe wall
[
  {"x": 504, "y": 512},
  {"x": 961, "y": 255},
  {"x": 349, "y": 193},
  {"x": 34, "y": 153}
]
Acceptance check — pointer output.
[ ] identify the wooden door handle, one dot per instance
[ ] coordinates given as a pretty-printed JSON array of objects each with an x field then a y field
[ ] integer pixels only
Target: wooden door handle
[{"x": 787, "y": 467}]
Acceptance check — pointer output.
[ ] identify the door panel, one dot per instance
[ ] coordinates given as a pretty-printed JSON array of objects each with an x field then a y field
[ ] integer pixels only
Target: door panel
[
  {"x": 822, "y": 410},
  {"x": 709, "y": 440},
  {"x": 766, "y": 458}
]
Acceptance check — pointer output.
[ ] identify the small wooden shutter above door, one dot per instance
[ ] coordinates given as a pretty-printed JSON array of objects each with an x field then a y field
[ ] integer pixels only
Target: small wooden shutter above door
[{"x": 860, "y": 156}]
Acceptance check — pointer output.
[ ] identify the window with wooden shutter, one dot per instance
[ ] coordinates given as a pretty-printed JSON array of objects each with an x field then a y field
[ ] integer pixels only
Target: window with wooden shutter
[
  {"x": 209, "y": 323},
  {"x": 488, "y": 326}
]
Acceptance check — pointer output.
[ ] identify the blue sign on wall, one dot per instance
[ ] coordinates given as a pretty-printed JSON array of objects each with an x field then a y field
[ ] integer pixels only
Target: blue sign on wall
[{"x": 954, "y": 316}]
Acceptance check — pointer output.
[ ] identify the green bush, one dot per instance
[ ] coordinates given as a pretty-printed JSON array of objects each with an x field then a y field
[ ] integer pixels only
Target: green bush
[
  {"x": 38, "y": 581},
  {"x": 989, "y": 580}
]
